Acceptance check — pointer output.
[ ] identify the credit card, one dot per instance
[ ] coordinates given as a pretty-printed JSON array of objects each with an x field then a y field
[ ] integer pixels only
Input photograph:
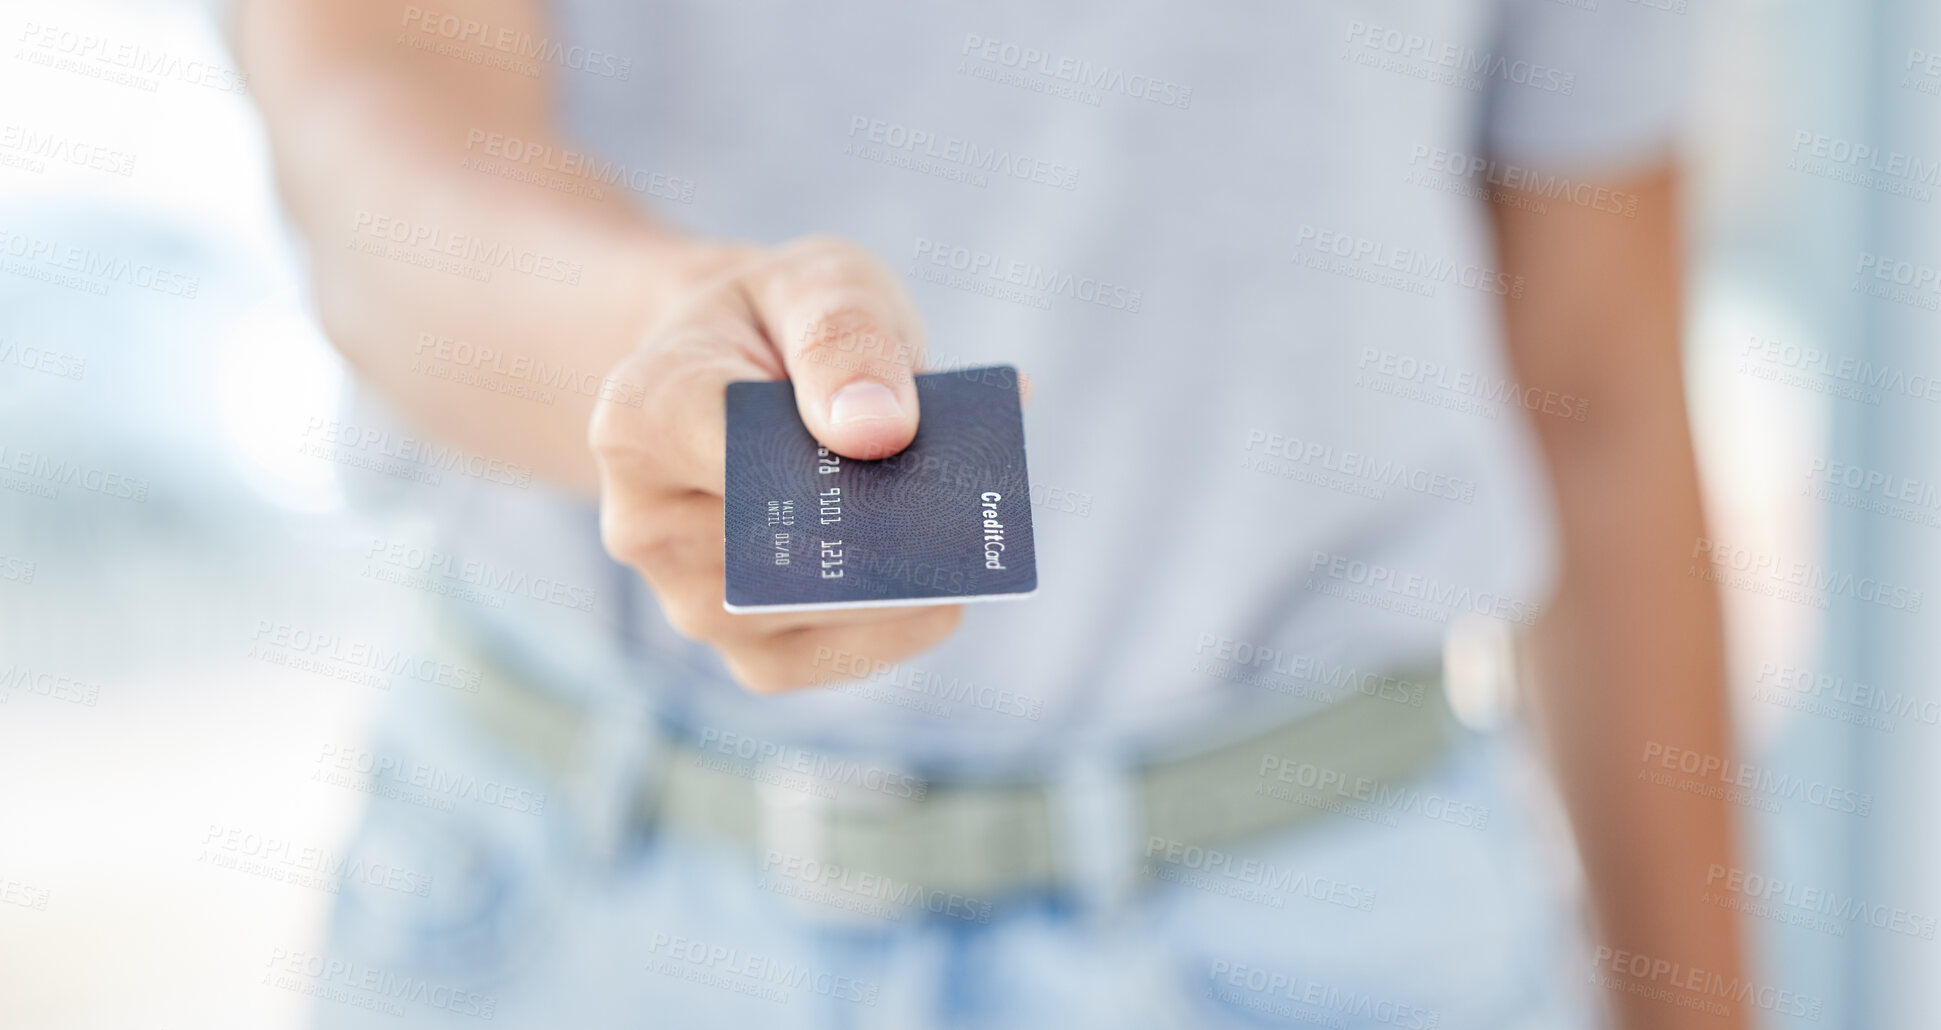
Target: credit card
[{"x": 945, "y": 521}]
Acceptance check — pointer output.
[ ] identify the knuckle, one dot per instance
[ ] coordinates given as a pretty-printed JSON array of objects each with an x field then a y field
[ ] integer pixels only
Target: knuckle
[
  {"x": 845, "y": 319},
  {"x": 671, "y": 428},
  {"x": 947, "y": 626},
  {"x": 674, "y": 368},
  {"x": 635, "y": 542},
  {"x": 616, "y": 428},
  {"x": 760, "y": 671},
  {"x": 844, "y": 332},
  {"x": 716, "y": 262},
  {"x": 610, "y": 428},
  {"x": 690, "y": 617},
  {"x": 824, "y": 261},
  {"x": 816, "y": 249},
  {"x": 923, "y": 631}
]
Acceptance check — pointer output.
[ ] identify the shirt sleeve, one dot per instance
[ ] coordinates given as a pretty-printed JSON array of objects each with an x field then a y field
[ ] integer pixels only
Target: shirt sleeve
[{"x": 1590, "y": 84}]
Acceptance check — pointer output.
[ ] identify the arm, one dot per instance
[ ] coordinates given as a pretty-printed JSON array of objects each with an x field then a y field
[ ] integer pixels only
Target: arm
[
  {"x": 369, "y": 137},
  {"x": 364, "y": 128},
  {"x": 1630, "y": 650}
]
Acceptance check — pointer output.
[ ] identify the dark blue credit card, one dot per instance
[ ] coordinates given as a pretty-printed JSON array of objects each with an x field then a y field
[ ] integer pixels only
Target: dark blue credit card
[{"x": 946, "y": 520}]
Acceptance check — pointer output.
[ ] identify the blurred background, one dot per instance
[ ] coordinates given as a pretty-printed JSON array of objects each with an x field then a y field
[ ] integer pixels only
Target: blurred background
[{"x": 168, "y": 611}]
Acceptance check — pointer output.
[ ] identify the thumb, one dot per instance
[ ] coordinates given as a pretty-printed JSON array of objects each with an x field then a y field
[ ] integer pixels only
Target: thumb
[{"x": 850, "y": 340}]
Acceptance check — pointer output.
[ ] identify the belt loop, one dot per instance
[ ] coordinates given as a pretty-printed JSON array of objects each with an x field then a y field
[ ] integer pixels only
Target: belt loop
[
  {"x": 793, "y": 826},
  {"x": 1096, "y": 825},
  {"x": 1479, "y": 671},
  {"x": 609, "y": 775}
]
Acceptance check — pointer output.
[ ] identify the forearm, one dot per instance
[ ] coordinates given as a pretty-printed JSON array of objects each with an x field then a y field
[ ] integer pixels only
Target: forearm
[
  {"x": 411, "y": 244},
  {"x": 1628, "y": 660}
]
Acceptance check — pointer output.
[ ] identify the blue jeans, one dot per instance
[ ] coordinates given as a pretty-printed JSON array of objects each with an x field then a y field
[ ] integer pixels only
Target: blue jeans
[{"x": 478, "y": 900}]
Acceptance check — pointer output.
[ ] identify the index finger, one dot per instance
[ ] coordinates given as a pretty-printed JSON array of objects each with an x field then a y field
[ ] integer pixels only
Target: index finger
[{"x": 669, "y": 434}]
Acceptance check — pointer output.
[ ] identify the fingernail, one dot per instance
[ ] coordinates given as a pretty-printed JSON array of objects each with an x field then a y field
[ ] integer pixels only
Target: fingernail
[{"x": 863, "y": 399}]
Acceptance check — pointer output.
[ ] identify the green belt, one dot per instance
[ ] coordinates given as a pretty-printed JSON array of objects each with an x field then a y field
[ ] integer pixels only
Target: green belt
[{"x": 984, "y": 839}]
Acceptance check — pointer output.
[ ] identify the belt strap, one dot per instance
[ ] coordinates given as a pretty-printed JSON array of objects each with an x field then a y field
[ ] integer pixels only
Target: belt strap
[
  {"x": 984, "y": 839},
  {"x": 974, "y": 840}
]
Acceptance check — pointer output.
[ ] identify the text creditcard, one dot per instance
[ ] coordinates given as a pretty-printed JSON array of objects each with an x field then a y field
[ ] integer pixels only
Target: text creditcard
[{"x": 946, "y": 520}]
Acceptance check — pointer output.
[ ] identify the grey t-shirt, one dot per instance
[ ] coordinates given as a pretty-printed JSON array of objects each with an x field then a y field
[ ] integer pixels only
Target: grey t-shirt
[{"x": 1274, "y": 443}]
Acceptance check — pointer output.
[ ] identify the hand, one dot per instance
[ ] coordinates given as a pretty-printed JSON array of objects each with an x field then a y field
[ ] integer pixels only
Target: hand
[{"x": 835, "y": 321}]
